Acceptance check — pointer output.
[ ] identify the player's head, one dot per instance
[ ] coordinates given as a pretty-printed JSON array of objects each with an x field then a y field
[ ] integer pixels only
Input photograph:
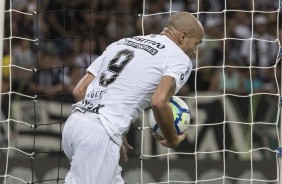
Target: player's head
[{"x": 185, "y": 30}]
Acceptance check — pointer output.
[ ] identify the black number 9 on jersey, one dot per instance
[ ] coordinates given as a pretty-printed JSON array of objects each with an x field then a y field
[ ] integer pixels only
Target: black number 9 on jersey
[{"x": 116, "y": 65}]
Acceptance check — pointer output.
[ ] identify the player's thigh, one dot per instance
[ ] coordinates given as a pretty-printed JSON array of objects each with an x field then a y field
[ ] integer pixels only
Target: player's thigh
[
  {"x": 78, "y": 130},
  {"x": 90, "y": 165},
  {"x": 95, "y": 156},
  {"x": 67, "y": 134},
  {"x": 117, "y": 177}
]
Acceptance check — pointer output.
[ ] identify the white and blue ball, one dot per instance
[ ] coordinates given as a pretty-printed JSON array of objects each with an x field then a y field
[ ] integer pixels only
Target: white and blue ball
[{"x": 181, "y": 115}]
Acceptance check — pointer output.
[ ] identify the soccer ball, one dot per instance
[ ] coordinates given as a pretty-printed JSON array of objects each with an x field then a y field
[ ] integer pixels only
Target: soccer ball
[{"x": 181, "y": 115}]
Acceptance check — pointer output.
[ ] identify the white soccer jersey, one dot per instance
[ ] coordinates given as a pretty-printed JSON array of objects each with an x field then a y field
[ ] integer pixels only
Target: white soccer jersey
[{"x": 126, "y": 76}]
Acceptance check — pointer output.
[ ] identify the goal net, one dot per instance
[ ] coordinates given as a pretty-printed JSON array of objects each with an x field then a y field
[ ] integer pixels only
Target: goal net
[{"x": 233, "y": 92}]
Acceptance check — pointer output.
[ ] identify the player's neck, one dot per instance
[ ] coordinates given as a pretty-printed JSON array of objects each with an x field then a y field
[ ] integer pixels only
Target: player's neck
[{"x": 170, "y": 33}]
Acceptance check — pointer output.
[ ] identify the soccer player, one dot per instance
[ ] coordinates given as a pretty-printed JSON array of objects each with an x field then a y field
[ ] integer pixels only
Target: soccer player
[{"x": 130, "y": 75}]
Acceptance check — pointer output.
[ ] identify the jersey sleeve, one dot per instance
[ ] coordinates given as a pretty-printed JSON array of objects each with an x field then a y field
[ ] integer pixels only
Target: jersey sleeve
[
  {"x": 178, "y": 68},
  {"x": 96, "y": 65}
]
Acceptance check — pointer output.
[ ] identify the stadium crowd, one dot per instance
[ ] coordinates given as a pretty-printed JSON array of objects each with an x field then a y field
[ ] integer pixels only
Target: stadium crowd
[{"x": 71, "y": 34}]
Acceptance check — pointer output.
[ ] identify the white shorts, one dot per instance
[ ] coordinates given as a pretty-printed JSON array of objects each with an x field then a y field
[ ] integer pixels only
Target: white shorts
[{"x": 94, "y": 156}]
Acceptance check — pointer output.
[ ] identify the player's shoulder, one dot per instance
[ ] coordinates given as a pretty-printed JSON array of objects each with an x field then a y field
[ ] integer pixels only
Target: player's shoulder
[
  {"x": 154, "y": 39},
  {"x": 160, "y": 42}
]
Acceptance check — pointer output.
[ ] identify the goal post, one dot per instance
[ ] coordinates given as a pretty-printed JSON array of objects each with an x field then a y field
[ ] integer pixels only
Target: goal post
[
  {"x": 2, "y": 25},
  {"x": 279, "y": 58}
]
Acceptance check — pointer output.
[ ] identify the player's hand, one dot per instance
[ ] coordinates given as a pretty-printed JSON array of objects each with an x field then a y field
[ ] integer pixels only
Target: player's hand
[
  {"x": 164, "y": 142},
  {"x": 124, "y": 148}
]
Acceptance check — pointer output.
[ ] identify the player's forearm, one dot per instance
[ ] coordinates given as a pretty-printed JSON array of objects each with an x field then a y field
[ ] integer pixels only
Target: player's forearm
[
  {"x": 80, "y": 89},
  {"x": 164, "y": 118},
  {"x": 78, "y": 94},
  {"x": 162, "y": 110}
]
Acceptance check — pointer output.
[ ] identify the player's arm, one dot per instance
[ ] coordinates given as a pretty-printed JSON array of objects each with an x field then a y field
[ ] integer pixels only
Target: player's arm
[
  {"x": 163, "y": 113},
  {"x": 92, "y": 71},
  {"x": 81, "y": 87}
]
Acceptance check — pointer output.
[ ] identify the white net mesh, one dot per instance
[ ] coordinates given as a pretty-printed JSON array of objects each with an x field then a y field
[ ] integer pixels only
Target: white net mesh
[{"x": 248, "y": 61}]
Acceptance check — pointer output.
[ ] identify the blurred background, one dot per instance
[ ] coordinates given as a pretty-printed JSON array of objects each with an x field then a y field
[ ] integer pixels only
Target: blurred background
[{"x": 233, "y": 91}]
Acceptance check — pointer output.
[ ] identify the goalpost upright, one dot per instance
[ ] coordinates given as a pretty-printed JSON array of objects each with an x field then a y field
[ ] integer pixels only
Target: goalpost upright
[
  {"x": 2, "y": 22},
  {"x": 279, "y": 60}
]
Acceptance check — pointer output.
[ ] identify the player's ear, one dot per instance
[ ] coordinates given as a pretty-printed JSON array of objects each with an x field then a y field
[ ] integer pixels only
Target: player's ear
[{"x": 183, "y": 36}]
